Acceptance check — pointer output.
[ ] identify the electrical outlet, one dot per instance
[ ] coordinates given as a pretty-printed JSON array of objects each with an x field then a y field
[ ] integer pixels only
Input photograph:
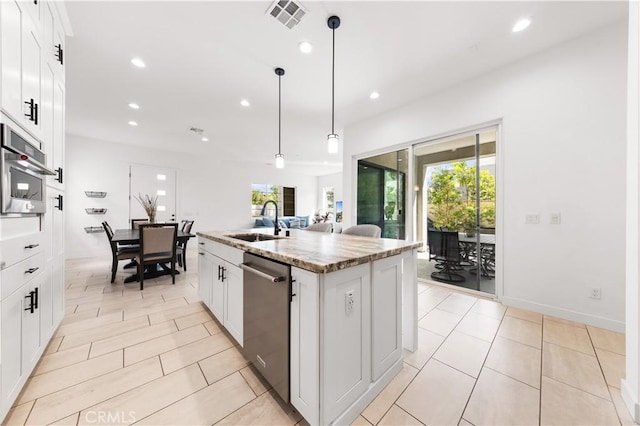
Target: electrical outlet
[
  {"x": 595, "y": 292},
  {"x": 349, "y": 301},
  {"x": 554, "y": 219},
  {"x": 532, "y": 218}
]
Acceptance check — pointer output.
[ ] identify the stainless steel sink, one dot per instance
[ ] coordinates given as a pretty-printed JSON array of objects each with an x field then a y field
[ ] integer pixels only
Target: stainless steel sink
[{"x": 253, "y": 237}]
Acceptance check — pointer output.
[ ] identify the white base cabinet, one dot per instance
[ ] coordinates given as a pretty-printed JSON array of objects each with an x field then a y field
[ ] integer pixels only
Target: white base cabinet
[
  {"x": 346, "y": 327},
  {"x": 221, "y": 284},
  {"x": 346, "y": 338}
]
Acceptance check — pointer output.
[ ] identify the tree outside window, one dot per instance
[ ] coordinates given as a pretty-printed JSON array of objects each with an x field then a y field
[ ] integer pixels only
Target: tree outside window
[{"x": 452, "y": 196}]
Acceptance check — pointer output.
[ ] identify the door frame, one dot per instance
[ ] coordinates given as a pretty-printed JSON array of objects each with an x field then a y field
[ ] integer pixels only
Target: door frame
[{"x": 411, "y": 205}]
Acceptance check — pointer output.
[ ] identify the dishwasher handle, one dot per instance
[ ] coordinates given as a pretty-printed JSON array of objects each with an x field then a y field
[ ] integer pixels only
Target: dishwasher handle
[{"x": 271, "y": 278}]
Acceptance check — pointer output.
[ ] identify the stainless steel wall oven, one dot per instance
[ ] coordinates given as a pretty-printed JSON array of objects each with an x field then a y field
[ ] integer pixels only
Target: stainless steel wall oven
[{"x": 23, "y": 169}]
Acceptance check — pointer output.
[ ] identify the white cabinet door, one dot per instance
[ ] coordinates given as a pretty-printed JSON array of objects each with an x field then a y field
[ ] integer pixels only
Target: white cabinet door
[
  {"x": 31, "y": 323},
  {"x": 305, "y": 351},
  {"x": 33, "y": 9},
  {"x": 45, "y": 303},
  {"x": 31, "y": 57},
  {"x": 386, "y": 314},
  {"x": 57, "y": 218},
  {"x": 58, "y": 133},
  {"x": 11, "y": 341},
  {"x": 48, "y": 85},
  {"x": 217, "y": 289},
  {"x": 233, "y": 311},
  {"x": 57, "y": 290},
  {"x": 11, "y": 34},
  {"x": 346, "y": 337},
  {"x": 205, "y": 275}
]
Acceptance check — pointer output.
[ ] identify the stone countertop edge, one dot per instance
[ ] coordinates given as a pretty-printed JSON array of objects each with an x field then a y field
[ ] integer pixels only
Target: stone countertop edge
[{"x": 318, "y": 252}]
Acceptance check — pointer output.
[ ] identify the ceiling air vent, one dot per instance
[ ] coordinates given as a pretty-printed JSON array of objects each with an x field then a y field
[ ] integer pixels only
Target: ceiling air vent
[{"x": 288, "y": 12}]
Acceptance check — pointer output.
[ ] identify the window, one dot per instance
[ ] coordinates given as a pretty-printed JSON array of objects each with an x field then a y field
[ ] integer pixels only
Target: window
[
  {"x": 285, "y": 198},
  {"x": 328, "y": 201}
]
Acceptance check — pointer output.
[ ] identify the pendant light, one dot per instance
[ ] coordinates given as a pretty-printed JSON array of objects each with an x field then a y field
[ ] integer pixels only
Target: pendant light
[
  {"x": 332, "y": 140},
  {"x": 279, "y": 156}
]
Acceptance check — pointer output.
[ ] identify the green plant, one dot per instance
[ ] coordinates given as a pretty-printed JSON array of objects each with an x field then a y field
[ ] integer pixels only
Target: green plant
[{"x": 452, "y": 197}]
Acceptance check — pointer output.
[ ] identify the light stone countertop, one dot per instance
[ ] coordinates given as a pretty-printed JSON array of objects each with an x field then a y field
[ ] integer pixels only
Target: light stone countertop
[{"x": 318, "y": 252}]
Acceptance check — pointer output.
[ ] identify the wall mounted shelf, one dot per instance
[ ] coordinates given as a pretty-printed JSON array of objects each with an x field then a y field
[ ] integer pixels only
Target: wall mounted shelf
[
  {"x": 93, "y": 229},
  {"x": 95, "y": 194},
  {"x": 95, "y": 211}
]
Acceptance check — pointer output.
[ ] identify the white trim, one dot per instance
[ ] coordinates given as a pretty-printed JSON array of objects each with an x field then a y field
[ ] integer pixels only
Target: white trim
[
  {"x": 460, "y": 289},
  {"x": 555, "y": 311},
  {"x": 630, "y": 400}
]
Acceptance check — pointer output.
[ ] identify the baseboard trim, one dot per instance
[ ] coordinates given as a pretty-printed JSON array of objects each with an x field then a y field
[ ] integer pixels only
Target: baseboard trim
[
  {"x": 567, "y": 314},
  {"x": 630, "y": 400}
]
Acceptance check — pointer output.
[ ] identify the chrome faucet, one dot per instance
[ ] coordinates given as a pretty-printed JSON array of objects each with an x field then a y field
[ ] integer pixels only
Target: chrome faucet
[{"x": 276, "y": 227}]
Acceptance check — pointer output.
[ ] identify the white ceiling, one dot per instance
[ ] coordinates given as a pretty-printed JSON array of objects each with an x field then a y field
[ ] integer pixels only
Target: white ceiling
[{"x": 204, "y": 57}]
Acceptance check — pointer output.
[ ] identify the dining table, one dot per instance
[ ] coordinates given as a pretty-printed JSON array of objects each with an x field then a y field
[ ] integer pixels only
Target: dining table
[
  {"x": 468, "y": 246},
  {"x": 132, "y": 237}
]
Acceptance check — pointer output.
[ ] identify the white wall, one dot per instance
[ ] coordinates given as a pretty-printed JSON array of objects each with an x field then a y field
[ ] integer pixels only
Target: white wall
[
  {"x": 563, "y": 150},
  {"x": 213, "y": 192},
  {"x": 631, "y": 382}
]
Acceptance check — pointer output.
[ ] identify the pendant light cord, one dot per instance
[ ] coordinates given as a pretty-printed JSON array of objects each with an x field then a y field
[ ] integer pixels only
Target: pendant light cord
[
  {"x": 333, "y": 71},
  {"x": 279, "y": 113}
]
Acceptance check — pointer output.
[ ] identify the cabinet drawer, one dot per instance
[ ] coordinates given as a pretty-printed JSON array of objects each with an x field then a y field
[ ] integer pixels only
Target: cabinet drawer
[
  {"x": 225, "y": 252},
  {"x": 15, "y": 276},
  {"x": 18, "y": 249}
]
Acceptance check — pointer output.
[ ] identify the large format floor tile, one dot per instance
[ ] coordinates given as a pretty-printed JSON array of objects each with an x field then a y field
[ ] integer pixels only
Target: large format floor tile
[
  {"x": 207, "y": 406},
  {"x": 463, "y": 352},
  {"x": 379, "y": 406},
  {"x": 501, "y": 400},
  {"x": 516, "y": 360},
  {"x": 566, "y": 405},
  {"x": 573, "y": 368},
  {"x": 446, "y": 391},
  {"x": 159, "y": 357}
]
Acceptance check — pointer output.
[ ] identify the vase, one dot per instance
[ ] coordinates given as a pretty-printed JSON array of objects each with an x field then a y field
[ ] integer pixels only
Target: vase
[{"x": 152, "y": 217}]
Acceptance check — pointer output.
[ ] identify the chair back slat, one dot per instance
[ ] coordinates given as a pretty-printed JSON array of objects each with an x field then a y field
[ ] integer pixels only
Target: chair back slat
[
  {"x": 365, "y": 230},
  {"x": 135, "y": 223},
  {"x": 158, "y": 238}
]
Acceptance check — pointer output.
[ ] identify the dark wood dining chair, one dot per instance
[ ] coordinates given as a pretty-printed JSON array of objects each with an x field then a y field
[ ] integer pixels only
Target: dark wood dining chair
[
  {"x": 181, "y": 249},
  {"x": 157, "y": 245},
  {"x": 135, "y": 223},
  {"x": 118, "y": 253}
]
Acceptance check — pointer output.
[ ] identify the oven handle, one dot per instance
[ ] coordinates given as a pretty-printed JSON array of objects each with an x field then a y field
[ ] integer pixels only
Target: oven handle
[
  {"x": 271, "y": 278},
  {"x": 34, "y": 165}
]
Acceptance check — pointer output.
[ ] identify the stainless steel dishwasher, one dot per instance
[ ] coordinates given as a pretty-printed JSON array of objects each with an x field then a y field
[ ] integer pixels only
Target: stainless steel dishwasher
[{"x": 267, "y": 297}]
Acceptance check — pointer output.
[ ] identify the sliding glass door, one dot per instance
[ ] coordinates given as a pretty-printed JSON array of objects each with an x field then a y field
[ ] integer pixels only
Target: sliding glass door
[
  {"x": 455, "y": 195},
  {"x": 381, "y": 201}
]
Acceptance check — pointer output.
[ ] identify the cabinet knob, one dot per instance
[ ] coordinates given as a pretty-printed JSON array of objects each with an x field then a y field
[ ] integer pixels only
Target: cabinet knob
[
  {"x": 30, "y": 246},
  {"x": 31, "y": 270},
  {"x": 59, "y": 177}
]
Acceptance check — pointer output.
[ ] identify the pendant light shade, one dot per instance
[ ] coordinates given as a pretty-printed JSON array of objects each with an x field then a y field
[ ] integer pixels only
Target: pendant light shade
[
  {"x": 333, "y": 139},
  {"x": 279, "y": 157}
]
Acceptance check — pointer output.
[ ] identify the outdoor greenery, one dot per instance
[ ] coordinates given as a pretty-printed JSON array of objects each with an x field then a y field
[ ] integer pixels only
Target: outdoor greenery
[
  {"x": 452, "y": 197},
  {"x": 260, "y": 194}
]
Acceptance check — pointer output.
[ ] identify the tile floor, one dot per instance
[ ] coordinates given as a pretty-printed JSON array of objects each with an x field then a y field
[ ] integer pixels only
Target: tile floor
[{"x": 123, "y": 356}]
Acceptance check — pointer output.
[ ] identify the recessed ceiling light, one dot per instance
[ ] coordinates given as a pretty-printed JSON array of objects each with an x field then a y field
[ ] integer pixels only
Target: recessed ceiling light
[
  {"x": 245, "y": 103},
  {"x": 305, "y": 47},
  {"x": 133, "y": 123},
  {"x": 134, "y": 105},
  {"x": 374, "y": 95},
  {"x": 521, "y": 25},
  {"x": 205, "y": 139},
  {"x": 138, "y": 62}
]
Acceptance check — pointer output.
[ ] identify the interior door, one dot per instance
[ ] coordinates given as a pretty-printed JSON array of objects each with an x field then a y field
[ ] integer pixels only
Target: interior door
[{"x": 153, "y": 181}]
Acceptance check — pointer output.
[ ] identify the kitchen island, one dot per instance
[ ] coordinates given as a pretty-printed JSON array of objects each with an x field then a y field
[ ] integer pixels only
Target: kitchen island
[{"x": 355, "y": 308}]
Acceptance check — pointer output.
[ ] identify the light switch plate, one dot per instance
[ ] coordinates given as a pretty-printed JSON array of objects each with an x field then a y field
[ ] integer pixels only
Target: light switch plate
[
  {"x": 532, "y": 219},
  {"x": 555, "y": 219}
]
